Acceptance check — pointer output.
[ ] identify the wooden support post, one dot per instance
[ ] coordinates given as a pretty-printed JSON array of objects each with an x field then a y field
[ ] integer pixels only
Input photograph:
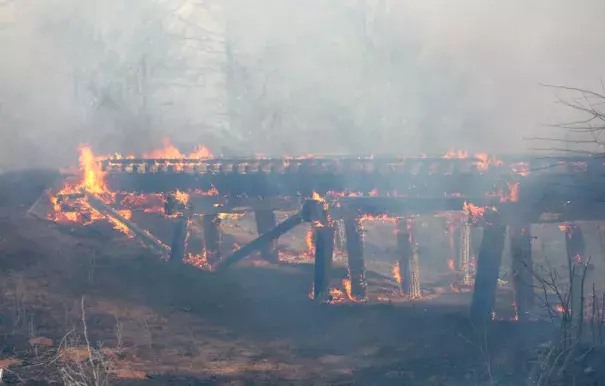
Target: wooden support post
[
  {"x": 404, "y": 250},
  {"x": 324, "y": 252},
  {"x": 465, "y": 254},
  {"x": 574, "y": 242},
  {"x": 339, "y": 235},
  {"x": 488, "y": 269},
  {"x": 415, "y": 273},
  {"x": 179, "y": 237},
  {"x": 455, "y": 234},
  {"x": 212, "y": 238},
  {"x": 265, "y": 221},
  {"x": 522, "y": 267},
  {"x": 357, "y": 266}
]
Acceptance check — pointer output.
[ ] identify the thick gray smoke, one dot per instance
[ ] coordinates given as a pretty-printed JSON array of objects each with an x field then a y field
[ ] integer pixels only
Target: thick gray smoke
[{"x": 285, "y": 76}]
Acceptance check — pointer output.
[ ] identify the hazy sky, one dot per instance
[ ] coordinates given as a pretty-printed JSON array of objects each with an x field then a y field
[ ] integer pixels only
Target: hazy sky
[{"x": 441, "y": 74}]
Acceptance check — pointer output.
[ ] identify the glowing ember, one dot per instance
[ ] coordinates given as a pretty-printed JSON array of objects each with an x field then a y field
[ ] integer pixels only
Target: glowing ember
[
  {"x": 310, "y": 241},
  {"x": 346, "y": 283},
  {"x": 473, "y": 210},
  {"x": 200, "y": 261},
  {"x": 181, "y": 197},
  {"x": 397, "y": 274},
  {"x": 378, "y": 218},
  {"x": 451, "y": 264}
]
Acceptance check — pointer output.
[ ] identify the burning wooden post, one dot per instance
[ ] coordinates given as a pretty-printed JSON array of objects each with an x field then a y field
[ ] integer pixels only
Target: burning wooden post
[
  {"x": 323, "y": 230},
  {"x": 265, "y": 221},
  {"x": 488, "y": 269},
  {"x": 357, "y": 266},
  {"x": 522, "y": 267},
  {"x": 574, "y": 242},
  {"x": 409, "y": 280},
  {"x": 212, "y": 237}
]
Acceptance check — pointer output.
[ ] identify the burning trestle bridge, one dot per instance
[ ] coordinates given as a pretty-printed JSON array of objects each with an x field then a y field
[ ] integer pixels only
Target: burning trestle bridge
[{"x": 334, "y": 194}]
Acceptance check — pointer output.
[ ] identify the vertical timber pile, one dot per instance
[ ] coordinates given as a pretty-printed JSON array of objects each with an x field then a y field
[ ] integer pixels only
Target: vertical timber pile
[
  {"x": 465, "y": 253},
  {"x": 408, "y": 259},
  {"x": 323, "y": 230},
  {"x": 178, "y": 246},
  {"x": 574, "y": 242},
  {"x": 488, "y": 269},
  {"x": 522, "y": 267},
  {"x": 265, "y": 221},
  {"x": 357, "y": 265},
  {"x": 212, "y": 237},
  {"x": 454, "y": 233},
  {"x": 339, "y": 235}
]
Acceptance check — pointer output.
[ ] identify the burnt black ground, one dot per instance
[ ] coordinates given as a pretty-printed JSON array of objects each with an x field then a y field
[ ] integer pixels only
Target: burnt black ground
[{"x": 250, "y": 325}]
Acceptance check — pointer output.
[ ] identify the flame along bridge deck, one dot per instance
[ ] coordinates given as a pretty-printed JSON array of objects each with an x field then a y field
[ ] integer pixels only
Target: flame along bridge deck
[
  {"x": 414, "y": 177},
  {"x": 555, "y": 190}
]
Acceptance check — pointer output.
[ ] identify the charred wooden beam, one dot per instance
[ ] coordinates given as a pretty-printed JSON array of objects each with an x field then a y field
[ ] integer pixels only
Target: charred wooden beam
[
  {"x": 259, "y": 242},
  {"x": 143, "y": 235},
  {"x": 575, "y": 248},
  {"x": 488, "y": 269},
  {"x": 409, "y": 269},
  {"x": 221, "y": 204},
  {"x": 178, "y": 246},
  {"x": 265, "y": 221},
  {"x": 339, "y": 235},
  {"x": 522, "y": 267},
  {"x": 415, "y": 292},
  {"x": 404, "y": 250},
  {"x": 212, "y": 238},
  {"x": 399, "y": 206},
  {"x": 324, "y": 252},
  {"x": 357, "y": 266},
  {"x": 455, "y": 234},
  {"x": 464, "y": 254}
]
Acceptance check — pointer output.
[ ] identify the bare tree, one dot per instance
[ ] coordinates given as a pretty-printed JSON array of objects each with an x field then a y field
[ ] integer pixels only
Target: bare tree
[{"x": 583, "y": 134}]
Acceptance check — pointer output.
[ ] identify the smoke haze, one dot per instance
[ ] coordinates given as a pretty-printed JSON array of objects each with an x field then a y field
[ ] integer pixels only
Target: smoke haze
[{"x": 285, "y": 76}]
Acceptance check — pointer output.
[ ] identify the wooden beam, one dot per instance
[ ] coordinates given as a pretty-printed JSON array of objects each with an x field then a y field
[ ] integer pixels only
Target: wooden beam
[
  {"x": 575, "y": 248},
  {"x": 259, "y": 242},
  {"x": 357, "y": 267},
  {"x": 265, "y": 221},
  {"x": 179, "y": 236},
  {"x": 522, "y": 267},
  {"x": 212, "y": 237},
  {"x": 404, "y": 250},
  {"x": 488, "y": 269},
  {"x": 464, "y": 254},
  {"x": 144, "y": 235},
  {"x": 324, "y": 253},
  {"x": 220, "y": 204}
]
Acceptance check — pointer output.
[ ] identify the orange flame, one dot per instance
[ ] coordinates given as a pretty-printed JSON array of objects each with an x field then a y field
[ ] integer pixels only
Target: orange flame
[
  {"x": 451, "y": 264},
  {"x": 182, "y": 197},
  {"x": 397, "y": 274}
]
